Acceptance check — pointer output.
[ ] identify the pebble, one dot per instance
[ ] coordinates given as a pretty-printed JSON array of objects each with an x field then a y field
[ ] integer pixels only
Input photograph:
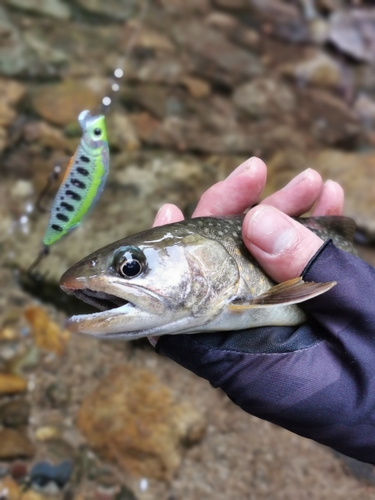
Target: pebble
[
  {"x": 12, "y": 384},
  {"x": 15, "y": 444},
  {"x": 140, "y": 426},
  {"x": 15, "y": 413}
]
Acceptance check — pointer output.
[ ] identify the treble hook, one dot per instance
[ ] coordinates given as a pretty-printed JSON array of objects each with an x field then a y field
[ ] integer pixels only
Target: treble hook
[
  {"x": 42, "y": 255},
  {"x": 53, "y": 177}
]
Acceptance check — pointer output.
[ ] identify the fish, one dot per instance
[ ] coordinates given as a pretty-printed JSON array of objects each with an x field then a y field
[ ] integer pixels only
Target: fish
[
  {"x": 83, "y": 181},
  {"x": 190, "y": 277}
]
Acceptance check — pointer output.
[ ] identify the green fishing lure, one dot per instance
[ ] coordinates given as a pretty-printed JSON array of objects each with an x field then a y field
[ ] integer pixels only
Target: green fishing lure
[{"x": 83, "y": 181}]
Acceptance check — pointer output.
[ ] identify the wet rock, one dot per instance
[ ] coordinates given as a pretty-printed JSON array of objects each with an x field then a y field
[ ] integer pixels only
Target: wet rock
[
  {"x": 15, "y": 413},
  {"x": 52, "y": 8},
  {"x": 364, "y": 106},
  {"x": 146, "y": 126},
  {"x": 47, "y": 136},
  {"x": 61, "y": 103},
  {"x": 115, "y": 9},
  {"x": 138, "y": 424},
  {"x": 122, "y": 135},
  {"x": 318, "y": 70},
  {"x": 11, "y": 91},
  {"x": 58, "y": 394},
  {"x": 181, "y": 7},
  {"x": 329, "y": 118},
  {"x": 13, "y": 51},
  {"x": 46, "y": 477},
  {"x": 216, "y": 57},
  {"x": 282, "y": 20},
  {"x": 12, "y": 384},
  {"x": 15, "y": 444},
  {"x": 18, "y": 470},
  {"x": 264, "y": 97},
  {"x": 11, "y": 487},
  {"x": 232, "y": 4},
  {"x": 196, "y": 87},
  {"x": 150, "y": 39},
  {"x": 353, "y": 33},
  {"x": 47, "y": 333}
]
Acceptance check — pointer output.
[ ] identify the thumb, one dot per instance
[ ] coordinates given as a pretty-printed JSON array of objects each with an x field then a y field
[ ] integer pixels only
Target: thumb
[{"x": 280, "y": 245}]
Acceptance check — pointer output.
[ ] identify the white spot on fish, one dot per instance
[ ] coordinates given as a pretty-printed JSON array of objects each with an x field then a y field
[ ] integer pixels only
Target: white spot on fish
[
  {"x": 106, "y": 101},
  {"x": 115, "y": 87},
  {"x": 118, "y": 73}
]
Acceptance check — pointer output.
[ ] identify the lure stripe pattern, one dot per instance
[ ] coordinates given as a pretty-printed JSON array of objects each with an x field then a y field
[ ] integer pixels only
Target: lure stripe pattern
[{"x": 83, "y": 181}]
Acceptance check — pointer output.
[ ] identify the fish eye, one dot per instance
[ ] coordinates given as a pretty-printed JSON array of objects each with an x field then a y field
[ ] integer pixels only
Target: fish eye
[
  {"x": 129, "y": 262},
  {"x": 97, "y": 131}
]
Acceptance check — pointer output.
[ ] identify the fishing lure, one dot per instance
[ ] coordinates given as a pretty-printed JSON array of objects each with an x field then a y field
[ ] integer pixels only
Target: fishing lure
[
  {"x": 82, "y": 184},
  {"x": 83, "y": 181}
]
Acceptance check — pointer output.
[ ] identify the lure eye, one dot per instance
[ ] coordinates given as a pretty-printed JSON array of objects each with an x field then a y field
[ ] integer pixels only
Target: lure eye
[
  {"x": 129, "y": 262},
  {"x": 97, "y": 132}
]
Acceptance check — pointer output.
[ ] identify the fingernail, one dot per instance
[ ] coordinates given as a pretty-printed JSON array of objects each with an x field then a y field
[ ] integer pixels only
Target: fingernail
[
  {"x": 244, "y": 167},
  {"x": 300, "y": 177},
  {"x": 270, "y": 230}
]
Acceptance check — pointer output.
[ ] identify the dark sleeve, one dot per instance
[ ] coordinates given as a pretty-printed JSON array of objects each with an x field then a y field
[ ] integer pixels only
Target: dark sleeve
[{"x": 317, "y": 380}]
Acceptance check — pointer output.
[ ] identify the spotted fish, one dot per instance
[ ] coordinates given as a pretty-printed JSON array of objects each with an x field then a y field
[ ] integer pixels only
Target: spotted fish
[
  {"x": 189, "y": 277},
  {"x": 84, "y": 179}
]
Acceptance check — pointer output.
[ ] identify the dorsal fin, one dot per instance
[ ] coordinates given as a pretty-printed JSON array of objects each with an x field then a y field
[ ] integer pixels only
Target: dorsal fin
[{"x": 341, "y": 226}]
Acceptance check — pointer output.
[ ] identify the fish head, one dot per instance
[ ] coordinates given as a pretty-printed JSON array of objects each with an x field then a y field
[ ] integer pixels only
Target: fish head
[{"x": 165, "y": 280}]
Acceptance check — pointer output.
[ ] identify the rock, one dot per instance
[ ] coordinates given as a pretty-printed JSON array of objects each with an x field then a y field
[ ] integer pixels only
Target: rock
[
  {"x": 216, "y": 57},
  {"x": 47, "y": 136},
  {"x": 181, "y": 7},
  {"x": 13, "y": 491},
  {"x": 15, "y": 413},
  {"x": 15, "y": 444},
  {"x": 44, "y": 473},
  {"x": 11, "y": 91},
  {"x": 3, "y": 139},
  {"x": 281, "y": 19},
  {"x": 330, "y": 120},
  {"x": 12, "y": 384},
  {"x": 364, "y": 106},
  {"x": 14, "y": 54},
  {"x": 61, "y": 103},
  {"x": 232, "y": 4},
  {"x": 264, "y": 97},
  {"x": 196, "y": 87},
  {"x": 116, "y": 9},
  {"x": 150, "y": 39},
  {"x": 353, "y": 32},
  {"x": 47, "y": 334},
  {"x": 145, "y": 125},
  {"x": 52, "y": 8},
  {"x": 319, "y": 70},
  {"x": 47, "y": 433},
  {"x": 121, "y": 133},
  {"x": 132, "y": 419},
  {"x": 58, "y": 394}
]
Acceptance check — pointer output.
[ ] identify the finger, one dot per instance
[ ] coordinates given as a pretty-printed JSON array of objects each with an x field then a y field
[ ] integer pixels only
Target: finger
[
  {"x": 299, "y": 195},
  {"x": 167, "y": 214},
  {"x": 280, "y": 245},
  {"x": 330, "y": 201},
  {"x": 236, "y": 193}
]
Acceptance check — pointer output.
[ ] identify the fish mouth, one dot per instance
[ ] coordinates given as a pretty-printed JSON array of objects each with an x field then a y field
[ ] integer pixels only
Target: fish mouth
[
  {"x": 101, "y": 300},
  {"x": 129, "y": 311}
]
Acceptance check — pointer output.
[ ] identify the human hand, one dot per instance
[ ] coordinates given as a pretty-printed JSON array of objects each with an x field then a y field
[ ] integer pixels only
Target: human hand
[
  {"x": 266, "y": 225},
  {"x": 318, "y": 379}
]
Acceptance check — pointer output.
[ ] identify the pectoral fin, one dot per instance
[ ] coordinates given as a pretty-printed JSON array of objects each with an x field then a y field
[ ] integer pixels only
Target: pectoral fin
[{"x": 290, "y": 292}]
